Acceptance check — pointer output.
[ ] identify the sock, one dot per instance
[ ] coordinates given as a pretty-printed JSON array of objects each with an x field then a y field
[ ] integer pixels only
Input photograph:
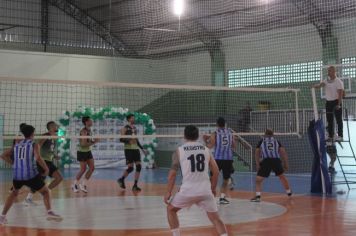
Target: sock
[
  {"x": 3, "y": 215},
  {"x": 175, "y": 232},
  {"x": 258, "y": 194},
  {"x": 85, "y": 181},
  {"x": 222, "y": 195},
  {"x": 49, "y": 211},
  {"x": 223, "y": 234},
  {"x": 136, "y": 182},
  {"x": 76, "y": 181},
  {"x": 288, "y": 191},
  {"x": 29, "y": 196}
]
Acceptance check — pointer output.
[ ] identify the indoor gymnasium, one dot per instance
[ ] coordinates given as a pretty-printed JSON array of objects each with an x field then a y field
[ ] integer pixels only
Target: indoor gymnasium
[{"x": 177, "y": 117}]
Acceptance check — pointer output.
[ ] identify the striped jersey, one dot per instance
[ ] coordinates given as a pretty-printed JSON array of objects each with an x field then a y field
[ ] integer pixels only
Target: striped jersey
[
  {"x": 269, "y": 147},
  {"x": 223, "y": 144},
  {"x": 24, "y": 167},
  {"x": 194, "y": 160}
]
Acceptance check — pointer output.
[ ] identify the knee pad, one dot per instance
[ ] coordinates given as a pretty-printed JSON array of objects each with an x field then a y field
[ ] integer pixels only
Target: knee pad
[
  {"x": 129, "y": 169},
  {"x": 138, "y": 168}
]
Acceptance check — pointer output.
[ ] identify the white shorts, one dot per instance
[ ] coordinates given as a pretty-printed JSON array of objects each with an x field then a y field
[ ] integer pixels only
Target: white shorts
[{"x": 206, "y": 202}]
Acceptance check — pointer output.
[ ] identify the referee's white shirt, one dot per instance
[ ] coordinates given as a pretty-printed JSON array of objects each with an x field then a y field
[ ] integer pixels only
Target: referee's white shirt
[{"x": 331, "y": 88}]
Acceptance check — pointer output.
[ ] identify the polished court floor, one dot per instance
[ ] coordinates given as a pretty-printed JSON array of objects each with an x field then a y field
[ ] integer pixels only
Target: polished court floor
[{"x": 106, "y": 210}]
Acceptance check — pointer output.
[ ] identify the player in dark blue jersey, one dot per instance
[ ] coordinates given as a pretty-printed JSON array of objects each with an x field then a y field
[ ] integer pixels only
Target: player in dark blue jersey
[
  {"x": 270, "y": 156},
  {"x": 223, "y": 142},
  {"x": 25, "y": 173},
  {"x": 48, "y": 154}
]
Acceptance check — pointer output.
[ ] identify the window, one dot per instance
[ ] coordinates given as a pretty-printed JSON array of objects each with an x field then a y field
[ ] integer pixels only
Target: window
[
  {"x": 349, "y": 71},
  {"x": 280, "y": 74}
]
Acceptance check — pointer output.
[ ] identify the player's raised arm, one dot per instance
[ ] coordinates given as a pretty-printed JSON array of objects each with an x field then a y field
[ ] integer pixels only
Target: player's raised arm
[{"x": 172, "y": 176}]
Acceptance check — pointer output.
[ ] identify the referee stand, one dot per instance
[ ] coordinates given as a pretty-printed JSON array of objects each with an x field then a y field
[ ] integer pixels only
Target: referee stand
[{"x": 346, "y": 161}]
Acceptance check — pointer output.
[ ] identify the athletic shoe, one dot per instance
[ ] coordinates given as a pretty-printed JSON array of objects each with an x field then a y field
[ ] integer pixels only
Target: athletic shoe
[
  {"x": 223, "y": 201},
  {"x": 256, "y": 199},
  {"x": 29, "y": 202},
  {"x": 83, "y": 188},
  {"x": 135, "y": 188},
  {"x": 11, "y": 189},
  {"x": 75, "y": 188},
  {"x": 3, "y": 220},
  {"x": 290, "y": 194},
  {"x": 53, "y": 216},
  {"x": 121, "y": 183}
]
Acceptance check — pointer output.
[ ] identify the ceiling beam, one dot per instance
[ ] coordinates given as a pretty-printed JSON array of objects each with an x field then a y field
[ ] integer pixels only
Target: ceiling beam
[
  {"x": 103, "y": 32},
  {"x": 103, "y": 6}
]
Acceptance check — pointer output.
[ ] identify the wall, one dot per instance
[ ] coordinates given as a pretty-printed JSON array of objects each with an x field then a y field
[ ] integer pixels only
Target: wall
[
  {"x": 194, "y": 69},
  {"x": 39, "y": 103},
  {"x": 276, "y": 47},
  {"x": 74, "y": 67},
  {"x": 346, "y": 32}
]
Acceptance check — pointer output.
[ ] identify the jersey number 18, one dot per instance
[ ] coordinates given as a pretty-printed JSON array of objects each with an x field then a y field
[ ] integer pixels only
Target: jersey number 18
[{"x": 197, "y": 162}]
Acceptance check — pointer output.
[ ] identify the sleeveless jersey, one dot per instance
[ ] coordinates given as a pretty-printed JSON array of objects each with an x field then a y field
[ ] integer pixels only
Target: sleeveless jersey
[
  {"x": 48, "y": 149},
  {"x": 223, "y": 144},
  {"x": 194, "y": 162},
  {"x": 24, "y": 167},
  {"x": 269, "y": 147},
  {"x": 84, "y": 148},
  {"x": 131, "y": 131}
]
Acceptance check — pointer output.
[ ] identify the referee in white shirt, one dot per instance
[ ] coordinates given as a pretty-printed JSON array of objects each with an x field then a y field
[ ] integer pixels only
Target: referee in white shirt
[{"x": 334, "y": 92}]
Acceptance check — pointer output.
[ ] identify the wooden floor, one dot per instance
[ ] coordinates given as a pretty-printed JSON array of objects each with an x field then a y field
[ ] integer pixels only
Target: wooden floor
[{"x": 305, "y": 215}]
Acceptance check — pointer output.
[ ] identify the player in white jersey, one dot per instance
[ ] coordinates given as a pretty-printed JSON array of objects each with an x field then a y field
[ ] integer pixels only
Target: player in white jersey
[{"x": 195, "y": 161}]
